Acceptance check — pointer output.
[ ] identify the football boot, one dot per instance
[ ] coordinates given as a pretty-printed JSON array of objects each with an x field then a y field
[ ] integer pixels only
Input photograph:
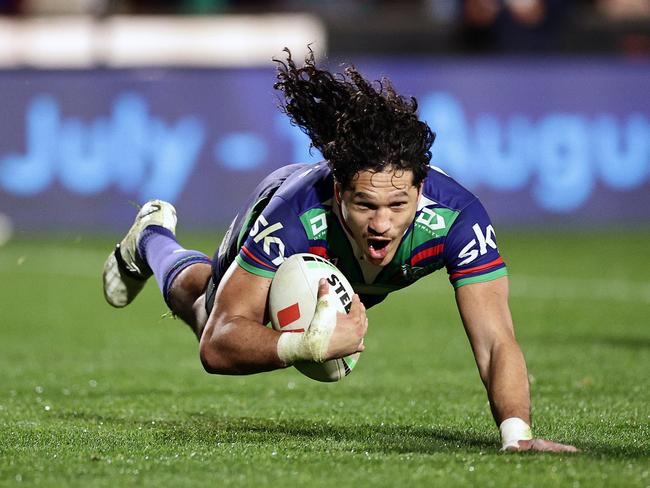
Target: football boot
[{"x": 125, "y": 272}]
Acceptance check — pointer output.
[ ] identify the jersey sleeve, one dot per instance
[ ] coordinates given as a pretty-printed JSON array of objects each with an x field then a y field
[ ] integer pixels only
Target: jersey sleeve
[
  {"x": 471, "y": 254},
  {"x": 276, "y": 234}
]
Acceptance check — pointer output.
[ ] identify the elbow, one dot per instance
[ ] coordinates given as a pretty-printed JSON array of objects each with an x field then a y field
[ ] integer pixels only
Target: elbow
[
  {"x": 213, "y": 357},
  {"x": 209, "y": 357}
]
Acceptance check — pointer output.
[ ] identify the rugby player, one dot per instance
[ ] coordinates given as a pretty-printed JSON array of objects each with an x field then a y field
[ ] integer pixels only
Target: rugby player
[{"x": 375, "y": 208}]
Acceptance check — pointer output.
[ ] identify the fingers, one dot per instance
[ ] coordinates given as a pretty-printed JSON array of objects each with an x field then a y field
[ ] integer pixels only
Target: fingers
[
  {"x": 323, "y": 288},
  {"x": 357, "y": 308},
  {"x": 549, "y": 446},
  {"x": 355, "y": 305},
  {"x": 543, "y": 445},
  {"x": 364, "y": 328},
  {"x": 350, "y": 329},
  {"x": 358, "y": 312}
]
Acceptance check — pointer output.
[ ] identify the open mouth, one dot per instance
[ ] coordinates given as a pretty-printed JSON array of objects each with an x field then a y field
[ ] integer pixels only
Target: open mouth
[{"x": 378, "y": 247}]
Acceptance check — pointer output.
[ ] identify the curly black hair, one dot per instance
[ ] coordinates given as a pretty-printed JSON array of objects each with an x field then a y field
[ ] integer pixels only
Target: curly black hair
[{"x": 357, "y": 125}]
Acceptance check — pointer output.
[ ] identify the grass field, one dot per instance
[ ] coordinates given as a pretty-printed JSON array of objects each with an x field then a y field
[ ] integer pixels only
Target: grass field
[{"x": 92, "y": 396}]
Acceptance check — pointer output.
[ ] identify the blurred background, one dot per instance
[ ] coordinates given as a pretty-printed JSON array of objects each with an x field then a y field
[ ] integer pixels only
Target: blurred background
[{"x": 540, "y": 107}]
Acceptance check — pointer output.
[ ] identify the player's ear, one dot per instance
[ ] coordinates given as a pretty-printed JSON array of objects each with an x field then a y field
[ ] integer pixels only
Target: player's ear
[{"x": 338, "y": 191}]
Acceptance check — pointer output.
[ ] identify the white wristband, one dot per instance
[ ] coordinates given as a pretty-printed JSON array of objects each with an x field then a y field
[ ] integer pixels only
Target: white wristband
[
  {"x": 311, "y": 345},
  {"x": 513, "y": 430},
  {"x": 292, "y": 347}
]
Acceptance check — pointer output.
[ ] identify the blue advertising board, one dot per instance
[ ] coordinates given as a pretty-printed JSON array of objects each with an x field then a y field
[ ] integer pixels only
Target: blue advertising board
[{"x": 540, "y": 142}]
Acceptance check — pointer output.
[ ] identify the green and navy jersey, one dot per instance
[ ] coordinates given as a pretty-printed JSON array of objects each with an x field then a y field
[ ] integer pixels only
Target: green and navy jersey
[{"x": 451, "y": 229}]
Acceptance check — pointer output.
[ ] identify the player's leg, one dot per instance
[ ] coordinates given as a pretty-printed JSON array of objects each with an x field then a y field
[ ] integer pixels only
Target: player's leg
[
  {"x": 182, "y": 274},
  {"x": 186, "y": 296},
  {"x": 150, "y": 247}
]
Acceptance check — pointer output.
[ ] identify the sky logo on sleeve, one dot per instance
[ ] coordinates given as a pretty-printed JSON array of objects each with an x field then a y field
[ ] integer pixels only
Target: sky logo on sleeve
[{"x": 470, "y": 253}]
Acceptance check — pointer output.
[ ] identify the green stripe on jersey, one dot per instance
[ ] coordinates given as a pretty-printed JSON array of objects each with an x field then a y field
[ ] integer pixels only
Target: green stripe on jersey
[
  {"x": 253, "y": 269},
  {"x": 482, "y": 278}
]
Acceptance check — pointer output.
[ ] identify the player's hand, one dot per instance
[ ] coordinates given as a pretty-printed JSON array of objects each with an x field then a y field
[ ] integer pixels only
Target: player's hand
[
  {"x": 350, "y": 329},
  {"x": 541, "y": 445}
]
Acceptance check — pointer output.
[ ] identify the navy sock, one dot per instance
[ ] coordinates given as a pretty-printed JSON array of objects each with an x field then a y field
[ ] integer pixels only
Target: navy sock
[{"x": 166, "y": 257}]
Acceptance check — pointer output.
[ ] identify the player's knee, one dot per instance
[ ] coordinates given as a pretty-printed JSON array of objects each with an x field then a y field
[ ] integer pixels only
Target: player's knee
[{"x": 189, "y": 284}]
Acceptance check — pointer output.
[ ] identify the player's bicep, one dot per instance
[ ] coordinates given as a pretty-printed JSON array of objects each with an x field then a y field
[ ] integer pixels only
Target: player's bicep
[{"x": 241, "y": 294}]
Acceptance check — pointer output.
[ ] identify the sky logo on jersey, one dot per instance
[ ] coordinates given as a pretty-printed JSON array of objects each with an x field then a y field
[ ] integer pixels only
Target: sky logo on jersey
[
  {"x": 470, "y": 253},
  {"x": 261, "y": 231}
]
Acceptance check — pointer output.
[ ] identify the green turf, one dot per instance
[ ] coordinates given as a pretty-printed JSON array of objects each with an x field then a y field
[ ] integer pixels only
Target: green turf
[{"x": 92, "y": 396}]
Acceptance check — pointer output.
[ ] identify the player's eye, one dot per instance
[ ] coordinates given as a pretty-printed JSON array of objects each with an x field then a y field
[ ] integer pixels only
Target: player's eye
[
  {"x": 398, "y": 204},
  {"x": 365, "y": 206}
]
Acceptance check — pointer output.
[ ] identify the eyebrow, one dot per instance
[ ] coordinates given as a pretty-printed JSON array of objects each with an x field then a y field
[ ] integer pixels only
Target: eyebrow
[{"x": 399, "y": 194}]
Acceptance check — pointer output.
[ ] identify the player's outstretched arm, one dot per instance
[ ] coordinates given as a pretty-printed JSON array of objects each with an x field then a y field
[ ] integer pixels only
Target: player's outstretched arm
[
  {"x": 236, "y": 341},
  {"x": 488, "y": 322}
]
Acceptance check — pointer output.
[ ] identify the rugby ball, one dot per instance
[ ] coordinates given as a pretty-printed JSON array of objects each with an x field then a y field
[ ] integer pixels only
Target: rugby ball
[{"x": 292, "y": 303}]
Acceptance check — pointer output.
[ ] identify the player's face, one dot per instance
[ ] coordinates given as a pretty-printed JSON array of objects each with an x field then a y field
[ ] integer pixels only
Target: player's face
[{"x": 377, "y": 210}]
